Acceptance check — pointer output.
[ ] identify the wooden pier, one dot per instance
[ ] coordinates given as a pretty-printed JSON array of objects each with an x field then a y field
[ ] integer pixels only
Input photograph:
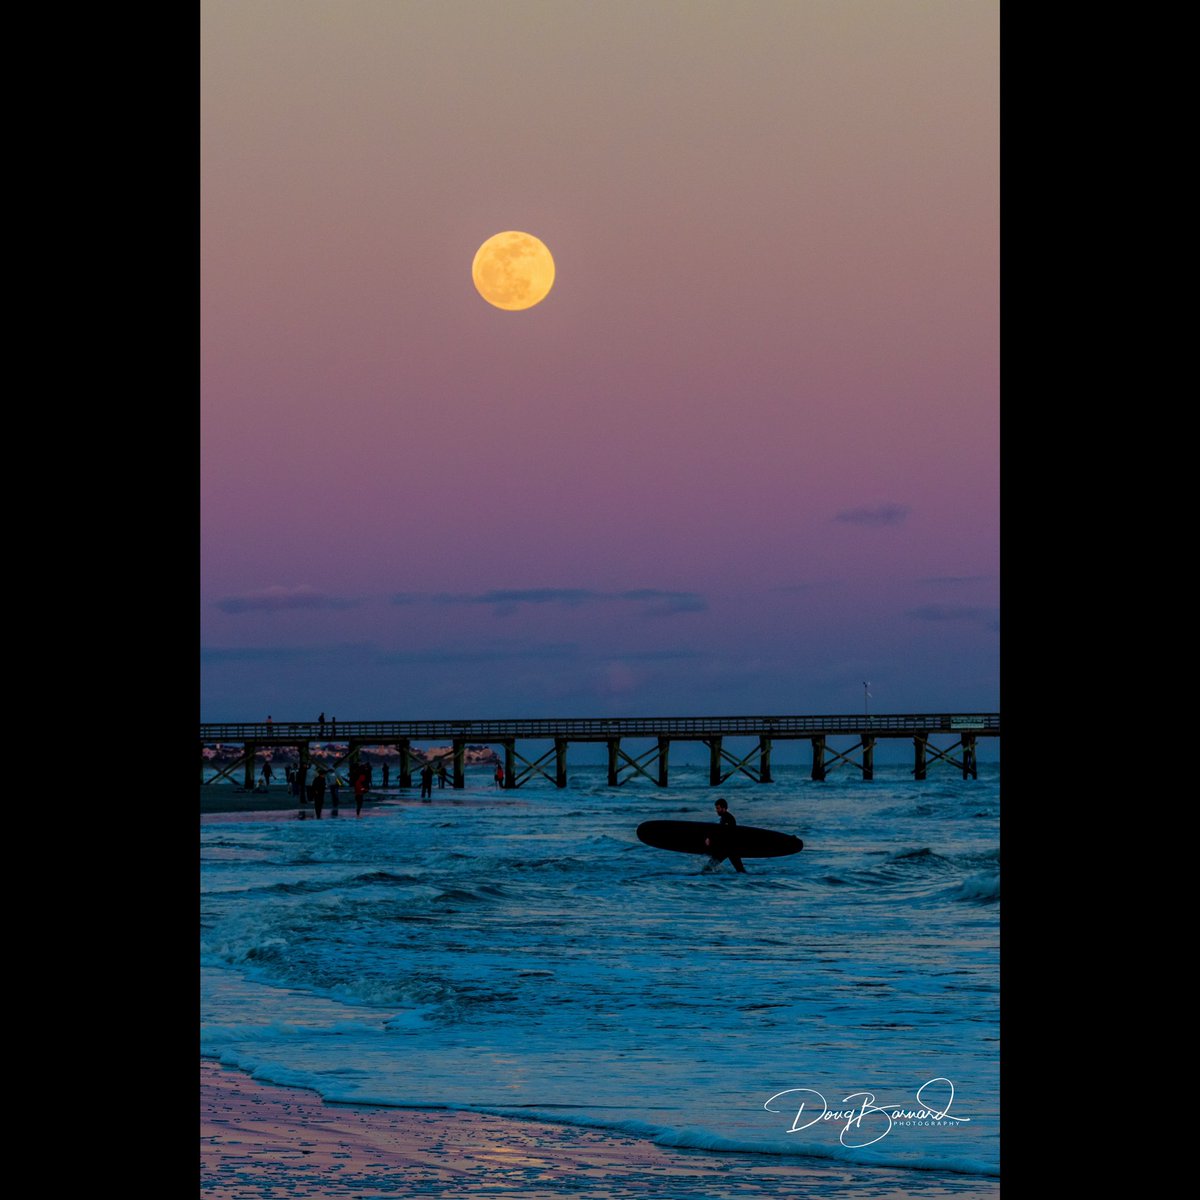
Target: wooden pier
[{"x": 958, "y": 733}]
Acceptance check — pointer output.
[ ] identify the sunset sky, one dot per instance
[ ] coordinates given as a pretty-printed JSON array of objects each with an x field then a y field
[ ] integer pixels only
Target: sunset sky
[{"x": 743, "y": 457}]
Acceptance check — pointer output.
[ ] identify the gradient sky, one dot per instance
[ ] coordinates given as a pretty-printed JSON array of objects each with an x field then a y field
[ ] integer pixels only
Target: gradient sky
[{"x": 743, "y": 457}]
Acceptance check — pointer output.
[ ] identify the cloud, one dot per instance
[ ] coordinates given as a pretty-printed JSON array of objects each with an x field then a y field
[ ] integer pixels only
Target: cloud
[
  {"x": 661, "y": 655},
  {"x": 367, "y": 653},
  {"x": 436, "y": 656},
  {"x": 277, "y": 599},
  {"x": 664, "y": 604},
  {"x": 344, "y": 651},
  {"x": 956, "y": 580},
  {"x": 883, "y": 514},
  {"x": 956, "y": 612},
  {"x": 656, "y": 603},
  {"x": 815, "y": 586}
]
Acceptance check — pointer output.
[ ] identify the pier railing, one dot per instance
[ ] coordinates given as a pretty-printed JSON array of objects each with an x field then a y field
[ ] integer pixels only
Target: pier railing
[
  {"x": 600, "y": 729},
  {"x": 965, "y": 728}
]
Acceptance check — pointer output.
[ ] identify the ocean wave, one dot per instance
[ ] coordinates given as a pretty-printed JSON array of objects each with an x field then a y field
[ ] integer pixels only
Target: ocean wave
[
  {"x": 305, "y": 887},
  {"x": 278, "y": 961},
  {"x": 382, "y": 877},
  {"x": 256, "y": 951},
  {"x": 906, "y": 867},
  {"x": 979, "y": 889},
  {"x": 566, "y": 863},
  {"x": 923, "y": 852},
  {"x": 483, "y": 894},
  {"x": 913, "y": 810}
]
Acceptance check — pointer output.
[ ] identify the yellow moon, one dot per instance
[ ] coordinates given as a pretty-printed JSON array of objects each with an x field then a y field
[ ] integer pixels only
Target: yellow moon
[{"x": 513, "y": 270}]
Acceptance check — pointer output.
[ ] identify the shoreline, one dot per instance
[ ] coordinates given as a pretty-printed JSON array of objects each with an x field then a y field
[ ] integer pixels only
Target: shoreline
[{"x": 276, "y": 1141}]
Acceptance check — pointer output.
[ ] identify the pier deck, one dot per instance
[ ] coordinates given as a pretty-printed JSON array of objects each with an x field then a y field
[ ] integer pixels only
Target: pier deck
[{"x": 963, "y": 728}]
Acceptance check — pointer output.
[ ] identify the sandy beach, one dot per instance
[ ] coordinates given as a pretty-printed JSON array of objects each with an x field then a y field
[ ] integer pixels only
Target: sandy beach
[{"x": 260, "y": 1140}]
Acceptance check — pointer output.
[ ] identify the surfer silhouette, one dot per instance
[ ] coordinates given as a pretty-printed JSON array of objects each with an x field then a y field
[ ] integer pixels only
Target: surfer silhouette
[{"x": 717, "y": 844}]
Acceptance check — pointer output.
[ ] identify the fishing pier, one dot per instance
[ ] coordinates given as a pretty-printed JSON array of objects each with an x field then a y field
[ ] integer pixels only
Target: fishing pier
[{"x": 957, "y": 734}]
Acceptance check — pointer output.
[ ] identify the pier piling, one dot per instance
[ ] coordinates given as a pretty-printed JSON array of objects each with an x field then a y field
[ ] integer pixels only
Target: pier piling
[
  {"x": 919, "y": 755},
  {"x": 560, "y": 762},
  {"x": 714, "y": 761},
  {"x": 764, "y": 760}
]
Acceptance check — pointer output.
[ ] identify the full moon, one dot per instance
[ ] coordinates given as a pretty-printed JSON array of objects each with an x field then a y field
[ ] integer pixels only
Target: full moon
[{"x": 513, "y": 270}]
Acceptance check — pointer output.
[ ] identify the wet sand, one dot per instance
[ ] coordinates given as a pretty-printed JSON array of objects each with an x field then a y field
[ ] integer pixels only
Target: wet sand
[{"x": 263, "y": 1141}]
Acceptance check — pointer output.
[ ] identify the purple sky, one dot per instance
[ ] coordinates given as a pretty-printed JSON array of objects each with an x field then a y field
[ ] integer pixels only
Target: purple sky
[{"x": 744, "y": 456}]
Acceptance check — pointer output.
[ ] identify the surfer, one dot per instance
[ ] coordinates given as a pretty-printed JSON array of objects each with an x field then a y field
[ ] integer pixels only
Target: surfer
[{"x": 716, "y": 844}]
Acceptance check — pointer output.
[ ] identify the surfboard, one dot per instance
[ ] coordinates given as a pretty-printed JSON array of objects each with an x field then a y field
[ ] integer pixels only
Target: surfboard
[{"x": 742, "y": 841}]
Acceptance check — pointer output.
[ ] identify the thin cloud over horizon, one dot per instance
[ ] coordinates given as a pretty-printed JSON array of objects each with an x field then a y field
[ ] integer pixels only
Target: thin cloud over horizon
[
  {"x": 960, "y": 612},
  {"x": 279, "y": 599},
  {"x": 341, "y": 651},
  {"x": 506, "y": 601},
  {"x": 956, "y": 580},
  {"x": 882, "y": 514}
]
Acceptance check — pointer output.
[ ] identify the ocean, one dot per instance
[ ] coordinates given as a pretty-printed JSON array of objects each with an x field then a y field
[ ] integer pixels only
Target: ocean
[{"x": 522, "y": 953}]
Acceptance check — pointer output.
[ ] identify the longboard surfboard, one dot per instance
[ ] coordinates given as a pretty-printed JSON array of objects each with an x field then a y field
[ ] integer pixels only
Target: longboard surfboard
[{"x": 741, "y": 841}]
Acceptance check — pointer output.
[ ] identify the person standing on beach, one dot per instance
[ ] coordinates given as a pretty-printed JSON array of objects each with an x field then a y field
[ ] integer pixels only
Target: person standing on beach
[
  {"x": 335, "y": 790},
  {"x": 360, "y": 790},
  {"x": 718, "y": 844},
  {"x": 318, "y": 792},
  {"x": 427, "y": 782},
  {"x": 267, "y": 774},
  {"x": 499, "y": 776},
  {"x": 385, "y": 776},
  {"x": 441, "y": 774}
]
